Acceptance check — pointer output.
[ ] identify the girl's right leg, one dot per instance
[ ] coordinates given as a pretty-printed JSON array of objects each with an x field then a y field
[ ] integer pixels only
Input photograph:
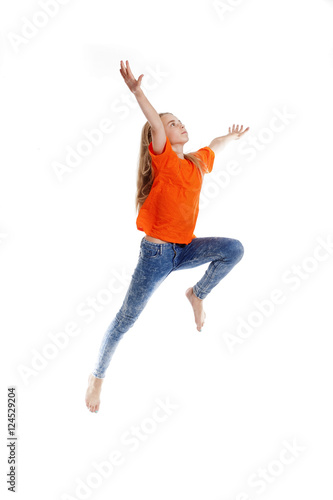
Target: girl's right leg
[{"x": 154, "y": 265}]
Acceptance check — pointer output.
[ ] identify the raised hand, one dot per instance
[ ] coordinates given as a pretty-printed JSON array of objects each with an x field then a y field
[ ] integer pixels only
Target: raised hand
[
  {"x": 131, "y": 82},
  {"x": 235, "y": 133}
]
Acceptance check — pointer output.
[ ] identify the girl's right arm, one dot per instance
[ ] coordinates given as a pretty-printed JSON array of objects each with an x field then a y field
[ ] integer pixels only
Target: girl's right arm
[{"x": 148, "y": 110}]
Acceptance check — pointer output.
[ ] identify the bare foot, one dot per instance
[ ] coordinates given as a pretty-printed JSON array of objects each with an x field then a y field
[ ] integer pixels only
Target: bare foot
[
  {"x": 197, "y": 304},
  {"x": 93, "y": 392}
]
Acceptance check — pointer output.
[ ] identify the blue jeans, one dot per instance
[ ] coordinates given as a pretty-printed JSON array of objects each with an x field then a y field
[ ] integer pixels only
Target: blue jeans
[{"x": 156, "y": 262}]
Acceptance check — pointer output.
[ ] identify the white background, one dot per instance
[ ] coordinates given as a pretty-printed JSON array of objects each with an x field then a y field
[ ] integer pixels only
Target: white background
[{"x": 64, "y": 239}]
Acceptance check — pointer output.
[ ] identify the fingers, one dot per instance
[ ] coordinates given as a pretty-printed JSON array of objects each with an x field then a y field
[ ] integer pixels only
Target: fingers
[
  {"x": 236, "y": 131},
  {"x": 128, "y": 75},
  {"x": 241, "y": 133},
  {"x": 129, "y": 70},
  {"x": 125, "y": 70},
  {"x": 233, "y": 129}
]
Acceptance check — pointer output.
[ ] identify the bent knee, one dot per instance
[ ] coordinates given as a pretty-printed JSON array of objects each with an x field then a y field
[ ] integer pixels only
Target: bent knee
[{"x": 238, "y": 250}]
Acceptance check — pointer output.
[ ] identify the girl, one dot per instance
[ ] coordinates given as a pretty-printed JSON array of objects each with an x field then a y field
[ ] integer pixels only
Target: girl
[{"x": 167, "y": 200}]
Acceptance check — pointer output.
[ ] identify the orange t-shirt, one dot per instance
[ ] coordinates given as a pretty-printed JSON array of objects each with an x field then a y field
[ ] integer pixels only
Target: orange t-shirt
[{"x": 171, "y": 209}]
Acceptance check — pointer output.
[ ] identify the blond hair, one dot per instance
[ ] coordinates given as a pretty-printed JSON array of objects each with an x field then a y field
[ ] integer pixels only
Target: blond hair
[{"x": 145, "y": 175}]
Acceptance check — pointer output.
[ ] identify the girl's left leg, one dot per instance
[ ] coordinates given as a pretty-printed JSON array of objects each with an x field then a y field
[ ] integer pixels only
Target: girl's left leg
[{"x": 222, "y": 253}]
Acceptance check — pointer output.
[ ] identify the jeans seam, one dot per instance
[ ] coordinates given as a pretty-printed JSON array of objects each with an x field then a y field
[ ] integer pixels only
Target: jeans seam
[{"x": 197, "y": 260}]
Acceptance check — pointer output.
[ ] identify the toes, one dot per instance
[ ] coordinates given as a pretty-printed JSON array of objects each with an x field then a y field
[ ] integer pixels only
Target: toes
[{"x": 93, "y": 408}]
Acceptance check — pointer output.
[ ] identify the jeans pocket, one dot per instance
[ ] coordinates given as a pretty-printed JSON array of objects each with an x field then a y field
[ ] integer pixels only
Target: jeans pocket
[{"x": 150, "y": 250}]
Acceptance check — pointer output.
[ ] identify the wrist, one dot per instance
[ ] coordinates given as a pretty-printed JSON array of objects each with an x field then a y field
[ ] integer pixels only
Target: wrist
[
  {"x": 138, "y": 93},
  {"x": 225, "y": 139}
]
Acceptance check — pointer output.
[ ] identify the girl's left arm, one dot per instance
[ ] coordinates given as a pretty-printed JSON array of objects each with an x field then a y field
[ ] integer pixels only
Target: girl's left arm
[{"x": 220, "y": 143}]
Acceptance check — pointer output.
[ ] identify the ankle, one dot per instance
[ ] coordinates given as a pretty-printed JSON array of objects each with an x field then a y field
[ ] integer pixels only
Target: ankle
[
  {"x": 195, "y": 296},
  {"x": 95, "y": 380}
]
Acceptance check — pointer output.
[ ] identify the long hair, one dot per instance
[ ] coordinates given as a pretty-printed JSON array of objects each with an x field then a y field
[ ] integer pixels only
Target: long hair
[{"x": 145, "y": 176}]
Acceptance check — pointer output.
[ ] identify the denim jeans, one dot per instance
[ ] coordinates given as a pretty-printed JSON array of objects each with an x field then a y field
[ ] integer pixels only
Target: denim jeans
[{"x": 156, "y": 261}]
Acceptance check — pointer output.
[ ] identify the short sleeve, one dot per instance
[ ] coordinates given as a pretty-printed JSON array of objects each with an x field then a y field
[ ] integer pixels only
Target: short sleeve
[
  {"x": 159, "y": 161},
  {"x": 208, "y": 156}
]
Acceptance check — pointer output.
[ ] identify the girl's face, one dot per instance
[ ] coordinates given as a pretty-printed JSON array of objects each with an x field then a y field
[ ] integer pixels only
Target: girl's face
[{"x": 174, "y": 129}]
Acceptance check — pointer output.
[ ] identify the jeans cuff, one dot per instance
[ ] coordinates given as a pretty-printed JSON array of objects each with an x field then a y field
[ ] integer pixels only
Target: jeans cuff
[{"x": 198, "y": 294}]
